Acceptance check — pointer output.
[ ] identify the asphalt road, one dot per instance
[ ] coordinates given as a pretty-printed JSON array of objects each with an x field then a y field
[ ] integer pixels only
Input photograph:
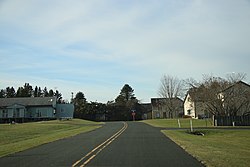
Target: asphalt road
[{"x": 115, "y": 144}]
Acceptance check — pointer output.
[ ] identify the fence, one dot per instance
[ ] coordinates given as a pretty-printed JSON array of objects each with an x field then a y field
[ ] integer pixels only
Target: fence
[{"x": 232, "y": 120}]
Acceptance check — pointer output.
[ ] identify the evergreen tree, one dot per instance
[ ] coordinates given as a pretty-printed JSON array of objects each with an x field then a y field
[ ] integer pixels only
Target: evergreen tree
[
  {"x": 45, "y": 92},
  {"x": 10, "y": 92},
  {"x": 19, "y": 92},
  {"x": 35, "y": 94},
  {"x": 27, "y": 90},
  {"x": 58, "y": 96},
  {"x": 80, "y": 104},
  {"x": 125, "y": 103},
  {"x": 127, "y": 92},
  {"x": 2, "y": 93},
  {"x": 51, "y": 93},
  {"x": 39, "y": 92}
]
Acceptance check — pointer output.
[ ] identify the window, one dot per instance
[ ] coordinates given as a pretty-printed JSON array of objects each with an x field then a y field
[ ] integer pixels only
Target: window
[
  {"x": 5, "y": 113},
  {"x": 38, "y": 113},
  {"x": 189, "y": 112},
  {"x": 17, "y": 114}
]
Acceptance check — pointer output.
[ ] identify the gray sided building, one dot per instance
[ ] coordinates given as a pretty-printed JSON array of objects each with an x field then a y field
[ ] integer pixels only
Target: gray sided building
[
  {"x": 166, "y": 108},
  {"x": 25, "y": 109}
]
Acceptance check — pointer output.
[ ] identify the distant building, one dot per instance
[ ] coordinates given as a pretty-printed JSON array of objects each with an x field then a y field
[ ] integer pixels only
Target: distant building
[
  {"x": 236, "y": 99},
  {"x": 233, "y": 101},
  {"x": 194, "y": 106},
  {"x": 166, "y": 108},
  {"x": 147, "y": 110},
  {"x": 33, "y": 109}
]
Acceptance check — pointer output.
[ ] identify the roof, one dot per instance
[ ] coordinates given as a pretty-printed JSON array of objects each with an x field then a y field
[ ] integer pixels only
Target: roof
[
  {"x": 195, "y": 94},
  {"x": 28, "y": 101},
  {"x": 235, "y": 84},
  {"x": 157, "y": 101},
  {"x": 147, "y": 107}
]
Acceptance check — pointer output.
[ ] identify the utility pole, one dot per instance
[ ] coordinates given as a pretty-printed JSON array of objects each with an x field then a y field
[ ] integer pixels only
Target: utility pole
[{"x": 72, "y": 97}]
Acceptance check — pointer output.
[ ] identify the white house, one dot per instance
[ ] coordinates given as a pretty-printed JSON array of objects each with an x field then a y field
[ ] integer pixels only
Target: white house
[{"x": 193, "y": 105}]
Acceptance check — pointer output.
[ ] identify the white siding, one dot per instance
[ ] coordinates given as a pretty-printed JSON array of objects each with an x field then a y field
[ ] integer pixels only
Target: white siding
[{"x": 189, "y": 107}]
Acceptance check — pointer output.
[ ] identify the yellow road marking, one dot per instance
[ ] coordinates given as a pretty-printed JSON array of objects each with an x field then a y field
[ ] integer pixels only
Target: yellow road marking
[{"x": 100, "y": 147}]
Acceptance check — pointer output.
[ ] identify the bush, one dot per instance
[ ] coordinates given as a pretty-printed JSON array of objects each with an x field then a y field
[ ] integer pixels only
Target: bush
[
  {"x": 198, "y": 133},
  {"x": 187, "y": 116}
]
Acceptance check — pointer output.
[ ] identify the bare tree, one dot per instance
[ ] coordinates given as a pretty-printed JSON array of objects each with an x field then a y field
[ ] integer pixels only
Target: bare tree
[
  {"x": 213, "y": 86},
  {"x": 221, "y": 96},
  {"x": 191, "y": 83},
  {"x": 236, "y": 99},
  {"x": 170, "y": 89},
  {"x": 235, "y": 77},
  {"x": 237, "y": 96}
]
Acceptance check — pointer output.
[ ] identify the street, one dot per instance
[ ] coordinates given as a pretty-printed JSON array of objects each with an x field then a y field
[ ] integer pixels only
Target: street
[{"x": 115, "y": 144}]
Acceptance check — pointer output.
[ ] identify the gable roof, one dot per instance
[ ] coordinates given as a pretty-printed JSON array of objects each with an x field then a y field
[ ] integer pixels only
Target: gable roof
[
  {"x": 157, "y": 101},
  {"x": 195, "y": 95},
  {"x": 28, "y": 101},
  {"x": 235, "y": 84}
]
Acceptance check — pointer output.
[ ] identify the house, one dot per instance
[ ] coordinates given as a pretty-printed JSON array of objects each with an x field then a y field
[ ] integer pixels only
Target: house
[
  {"x": 64, "y": 111},
  {"x": 147, "y": 110},
  {"x": 194, "y": 106},
  {"x": 32, "y": 109},
  {"x": 236, "y": 99},
  {"x": 232, "y": 101},
  {"x": 166, "y": 107}
]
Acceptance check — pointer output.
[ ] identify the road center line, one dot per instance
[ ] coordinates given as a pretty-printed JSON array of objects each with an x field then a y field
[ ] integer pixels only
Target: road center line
[{"x": 93, "y": 153}]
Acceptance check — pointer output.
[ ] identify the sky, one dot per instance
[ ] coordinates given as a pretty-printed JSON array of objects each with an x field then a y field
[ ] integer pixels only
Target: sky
[{"x": 97, "y": 46}]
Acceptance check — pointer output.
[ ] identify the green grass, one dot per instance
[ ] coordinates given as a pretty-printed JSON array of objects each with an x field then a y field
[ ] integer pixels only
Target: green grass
[
  {"x": 173, "y": 123},
  {"x": 219, "y": 147},
  {"x": 222, "y": 148},
  {"x": 19, "y": 137}
]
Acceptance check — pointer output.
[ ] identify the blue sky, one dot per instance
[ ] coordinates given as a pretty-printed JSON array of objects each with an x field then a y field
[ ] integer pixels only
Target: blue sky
[{"x": 97, "y": 46}]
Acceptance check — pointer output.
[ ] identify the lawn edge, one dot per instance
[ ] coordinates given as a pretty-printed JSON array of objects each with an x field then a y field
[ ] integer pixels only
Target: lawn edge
[
  {"x": 52, "y": 140},
  {"x": 182, "y": 147}
]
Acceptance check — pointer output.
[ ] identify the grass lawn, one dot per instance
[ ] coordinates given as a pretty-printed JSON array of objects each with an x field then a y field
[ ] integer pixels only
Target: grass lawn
[
  {"x": 19, "y": 137},
  {"x": 173, "y": 123},
  {"x": 219, "y": 147}
]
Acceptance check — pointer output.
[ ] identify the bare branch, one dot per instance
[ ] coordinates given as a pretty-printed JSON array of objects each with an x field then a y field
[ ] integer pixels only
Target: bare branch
[
  {"x": 235, "y": 77},
  {"x": 170, "y": 87}
]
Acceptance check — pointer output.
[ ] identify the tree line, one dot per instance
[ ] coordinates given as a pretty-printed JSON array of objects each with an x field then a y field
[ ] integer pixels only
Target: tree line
[
  {"x": 122, "y": 107},
  {"x": 119, "y": 109},
  {"x": 27, "y": 90}
]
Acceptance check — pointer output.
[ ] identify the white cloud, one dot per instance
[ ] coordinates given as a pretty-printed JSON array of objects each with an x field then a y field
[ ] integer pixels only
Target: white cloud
[{"x": 110, "y": 42}]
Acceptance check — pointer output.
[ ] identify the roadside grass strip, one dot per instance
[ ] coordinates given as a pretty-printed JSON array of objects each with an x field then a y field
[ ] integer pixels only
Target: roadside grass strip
[
  {"x": 227, "y": 147},
  {"x": 184, "y": 123},
  {"x": 19, "y": 137},
  {"x": 224, "y": 148},
  {"x": 93, "y": 153}
]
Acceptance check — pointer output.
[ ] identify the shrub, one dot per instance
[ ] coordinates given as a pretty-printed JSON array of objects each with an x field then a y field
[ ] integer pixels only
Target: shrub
[{"x": 187, "y": 116}]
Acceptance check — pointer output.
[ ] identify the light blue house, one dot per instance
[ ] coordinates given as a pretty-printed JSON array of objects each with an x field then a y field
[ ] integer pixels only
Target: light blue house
[
  {"x": 62, "y": 111},
  {"x": 33, "y": 109}
]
